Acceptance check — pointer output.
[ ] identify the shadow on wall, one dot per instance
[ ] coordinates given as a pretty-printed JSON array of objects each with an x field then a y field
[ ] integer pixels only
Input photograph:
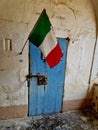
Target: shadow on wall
[
  {"x": 94, "y": 67},
  {"x": 94, "y": 90},
  {"x": 95, "y": 5}
]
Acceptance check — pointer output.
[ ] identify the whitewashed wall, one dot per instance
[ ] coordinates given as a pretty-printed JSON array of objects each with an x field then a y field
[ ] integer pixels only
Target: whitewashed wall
[{"x": 70, "y": 18}]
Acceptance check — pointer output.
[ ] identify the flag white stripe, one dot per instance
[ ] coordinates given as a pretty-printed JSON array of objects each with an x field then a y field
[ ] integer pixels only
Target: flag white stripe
[{"x": 48, "y": 44}]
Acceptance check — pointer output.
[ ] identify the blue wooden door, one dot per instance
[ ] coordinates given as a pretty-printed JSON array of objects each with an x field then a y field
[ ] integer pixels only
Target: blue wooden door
[{"x": 46, "y": 98}]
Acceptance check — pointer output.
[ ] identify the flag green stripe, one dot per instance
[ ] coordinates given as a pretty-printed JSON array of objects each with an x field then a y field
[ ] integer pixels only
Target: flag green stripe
[{"x": 42, "y": 27}]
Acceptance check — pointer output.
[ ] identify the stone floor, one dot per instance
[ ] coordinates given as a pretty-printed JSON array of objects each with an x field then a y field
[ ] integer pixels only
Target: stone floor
[{"x": 74, "y": 120}]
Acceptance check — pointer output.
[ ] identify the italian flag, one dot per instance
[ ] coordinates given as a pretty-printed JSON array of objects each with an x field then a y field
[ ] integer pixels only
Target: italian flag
[{"x": 43, "y": 37}]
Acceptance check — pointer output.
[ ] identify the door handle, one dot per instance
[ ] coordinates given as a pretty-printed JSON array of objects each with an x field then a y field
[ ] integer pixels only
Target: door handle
[{"x": 41, "y": 79}]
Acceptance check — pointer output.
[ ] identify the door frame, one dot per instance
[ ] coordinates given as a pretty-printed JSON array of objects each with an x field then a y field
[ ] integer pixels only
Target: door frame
[{"x": 29, "y": 71}]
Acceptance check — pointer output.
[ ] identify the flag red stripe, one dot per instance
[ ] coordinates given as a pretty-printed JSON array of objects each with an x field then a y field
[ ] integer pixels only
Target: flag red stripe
[{"x": 53, "y": 58}]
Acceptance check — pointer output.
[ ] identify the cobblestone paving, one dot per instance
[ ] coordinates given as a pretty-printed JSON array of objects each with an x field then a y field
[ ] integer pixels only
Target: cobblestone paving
[{"x": 74, "y": 120}]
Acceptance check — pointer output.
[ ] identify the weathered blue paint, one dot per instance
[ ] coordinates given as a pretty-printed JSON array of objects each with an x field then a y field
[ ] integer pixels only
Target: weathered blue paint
[{"x": 46, "y": 98}]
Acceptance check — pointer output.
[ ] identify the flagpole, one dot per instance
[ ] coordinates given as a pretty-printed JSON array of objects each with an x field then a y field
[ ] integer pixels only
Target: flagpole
[
  {"x": 31, "y": 32},
  {"x": 23, "y": 47}
]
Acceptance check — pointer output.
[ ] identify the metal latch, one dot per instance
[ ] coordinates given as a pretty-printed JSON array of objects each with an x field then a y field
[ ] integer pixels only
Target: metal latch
[{"x": 41, "y": 79}]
